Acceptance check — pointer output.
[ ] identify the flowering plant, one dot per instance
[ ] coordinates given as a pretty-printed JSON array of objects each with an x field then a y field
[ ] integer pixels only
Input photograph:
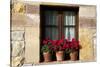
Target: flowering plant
[
  {"x": 67, "y": 46},
  {"x": 47, "y": 47},
  {"x": 73, "y": 45},
  {"x": 59, "y": 45}
]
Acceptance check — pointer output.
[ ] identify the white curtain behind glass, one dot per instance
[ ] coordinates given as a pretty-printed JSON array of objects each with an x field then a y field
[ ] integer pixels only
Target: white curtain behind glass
[{"x": 69, "y": 20}]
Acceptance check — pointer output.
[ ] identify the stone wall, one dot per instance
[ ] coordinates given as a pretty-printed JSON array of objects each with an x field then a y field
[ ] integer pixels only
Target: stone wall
[
  {"x": 87, "y": 32},
  {"x": 17, "y": 34},
  {"x": 18, "y": 46},
  {"x": 28, "y": 20}
]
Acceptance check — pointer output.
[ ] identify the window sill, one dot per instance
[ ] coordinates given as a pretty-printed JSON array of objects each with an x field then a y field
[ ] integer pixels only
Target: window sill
[{"x": 58, "y": 62}]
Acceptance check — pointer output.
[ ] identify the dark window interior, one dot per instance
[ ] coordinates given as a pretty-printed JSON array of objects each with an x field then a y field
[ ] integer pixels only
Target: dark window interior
[{"x": 58, "y": 21}]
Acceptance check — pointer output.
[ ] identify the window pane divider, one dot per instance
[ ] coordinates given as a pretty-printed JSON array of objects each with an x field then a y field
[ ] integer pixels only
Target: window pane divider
[
  {"x": 69, "y": 26},
  {"x": 50, "y": 26}
]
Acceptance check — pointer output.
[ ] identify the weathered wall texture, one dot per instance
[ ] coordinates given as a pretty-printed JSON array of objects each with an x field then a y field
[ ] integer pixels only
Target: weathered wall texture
[
  {"x": 87, "y": 32},
  {"x": 18, "y": 44},
  {"x": 30, "y": 21},
  {"x": 17, "y": 35},
  {"x": 27, "y": 19},
  {"x": 32, "y": 35}
]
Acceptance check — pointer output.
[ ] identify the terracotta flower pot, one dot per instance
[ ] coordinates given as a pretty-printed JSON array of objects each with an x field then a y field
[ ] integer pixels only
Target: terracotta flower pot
[
  {"x": 59, "y": 55},
  {"x": 47, "y": 56},
  {"x": 73, "y": 55}
]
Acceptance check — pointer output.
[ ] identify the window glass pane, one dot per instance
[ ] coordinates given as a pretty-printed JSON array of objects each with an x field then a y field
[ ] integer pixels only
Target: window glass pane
[
  {"x": 54, "y": 33},
  {"x": 69, "y": 18},
  {"x": 72, "y": 33},
  {"x": 51, "y": 32},
  {"x": 69, "y": 33},
  {"x": 48, "y": 32},
  {"x": 66, "y": 18},
  {"x": 73, "y": 18},
  {"x": 66, "y": 33},
  {"x": 51, "y": 18}
]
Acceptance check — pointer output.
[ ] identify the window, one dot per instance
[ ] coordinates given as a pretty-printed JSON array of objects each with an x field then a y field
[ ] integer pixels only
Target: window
[
  {"x": 58, "y": 21},
  {"x": 52, "y": 26}
]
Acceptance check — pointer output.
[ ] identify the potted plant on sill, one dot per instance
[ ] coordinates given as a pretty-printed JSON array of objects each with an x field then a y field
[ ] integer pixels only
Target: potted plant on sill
[
  {"x": 73, "y": 49},
  {"x": 67, "y": 47},
  {"x": 46, "y": 50},
  {"x": 58, "y": 48}
]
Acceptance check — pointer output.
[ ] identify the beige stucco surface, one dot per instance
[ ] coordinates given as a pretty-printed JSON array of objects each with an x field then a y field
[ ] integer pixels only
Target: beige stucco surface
[
  {"x": 87, "y": 11},
  {"x": 87, "y": 31},
  {"x": 32, "y": 45}
]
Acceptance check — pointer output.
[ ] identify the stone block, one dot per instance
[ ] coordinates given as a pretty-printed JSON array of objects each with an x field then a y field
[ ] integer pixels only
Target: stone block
[
  {"x": 17, "y": 48},
  {"x": 32, "y": 9},
  {"x": 17, "y": 35}
]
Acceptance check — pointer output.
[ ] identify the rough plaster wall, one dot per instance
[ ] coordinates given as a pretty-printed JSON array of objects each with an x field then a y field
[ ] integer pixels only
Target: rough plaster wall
[
  {"x": 87, "y": 31},
  {"x": 32, "y": 35},
  {"x": 87, "y": 11},
  {"x": 32, "y": 45}
]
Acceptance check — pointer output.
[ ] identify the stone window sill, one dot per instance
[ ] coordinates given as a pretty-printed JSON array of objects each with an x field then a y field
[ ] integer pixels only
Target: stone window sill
[{"x": 57, "y": 62}]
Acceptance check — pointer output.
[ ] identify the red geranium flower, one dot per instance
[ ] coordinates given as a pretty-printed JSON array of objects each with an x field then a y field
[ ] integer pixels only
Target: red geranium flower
[
  {"x": 45, "y": 42},
  {"x": 65, "y": 46},
  {"x": 74, "y": 44}
]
